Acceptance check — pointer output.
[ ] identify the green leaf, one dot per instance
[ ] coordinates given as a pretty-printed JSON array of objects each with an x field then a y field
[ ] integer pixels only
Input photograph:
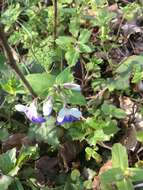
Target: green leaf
[
  {"x": 72, "y": 56},
  {"x": 64, "y": 76},
  {"x": 16, "y": 185},
  {"x": 139, "y": 135},
  {"x": 10, "y": 15},
  {"x": 84, "y": 36},
  {"x": 8, "y": 160},
  {"x": 74, "y": 26},
  {"x": 121, "y": 82},
  {"x": 92, "y": 153},
  {"x": 97, "y": 136},
  {"x": 119, "y": 156},
  {"x": 25, "y": 154},
  {"x": 111, "y": 110},
  {"x": 136, "y": 174},
  {"x": 65, "y": 41},
  {"x": 5, "y": 181},
  {"x": 3, "y": 134},
  {"x": 110, "y": 127},
  {"x": 76, "y": 132},
  {"x": 131, "y": 66},
  {"x": 76, "y": 98},
  {"x": 84, "y": 48},
  {"x": 137, "y": 74},
  {"x": 47, "y": 133},
  {"x": 41, "y": 82},
  {"x": 126, "y": 184},
  {"x": 2, "y": 61},
  {"x": 75, "y": 174},
  {"x": 88, "y": 184},
  {"x": 112, "y": 175}
]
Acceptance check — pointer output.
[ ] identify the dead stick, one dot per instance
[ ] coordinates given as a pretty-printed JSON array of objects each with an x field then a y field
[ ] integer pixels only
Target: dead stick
[
  {"x": 11, "y": 61},
  {"x": 55, "y": 19}
]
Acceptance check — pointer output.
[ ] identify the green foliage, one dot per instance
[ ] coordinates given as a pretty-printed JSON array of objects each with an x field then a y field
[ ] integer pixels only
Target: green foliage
[
  {"x": 41, "y": 82},
  {"x": 131, "y": 67},
  {"x": 92, "y": 153},
  {"x": 47, "y": 133},
  {"x": 5, "y": 181},
  {"x": 10, "y": 16},
  {"x": 79, "y": 54},
  {"x": 113, "y": 111},
  {"x": 120, "y": 175},
  {"x": 8, "y": 161}
]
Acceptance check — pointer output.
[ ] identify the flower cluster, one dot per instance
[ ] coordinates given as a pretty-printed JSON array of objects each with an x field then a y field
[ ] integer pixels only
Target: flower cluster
[{"x": 65, "y": 115}]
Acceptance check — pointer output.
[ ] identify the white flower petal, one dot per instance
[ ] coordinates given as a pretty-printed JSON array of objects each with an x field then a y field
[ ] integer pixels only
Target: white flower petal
[
  {"x": 32, "y": 111},
  {"x": 47, "y": 107},
  {"x": 21, "y": 108},
  {"x": 72, "y": 86}
]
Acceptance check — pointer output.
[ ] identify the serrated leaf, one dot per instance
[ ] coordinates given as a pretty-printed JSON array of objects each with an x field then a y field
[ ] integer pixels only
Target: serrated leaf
[
  {"x": 84, "y": 36},
  {"x": 41, "y": 82},
  {"x": 97, "y": 136},
  {"x": 84, "y": 48},
  {"x": 64, "y": 76},
  {"x": 74, "y": 26},
  {"x": 10, "y": 15},
  {"x": 47, "y": 133},
  {"x": 65, "y": 41},
  {"x": 72, "y": 56},
  {"x": 131, "y": 66},
  {"x": 111, "y": 110}
]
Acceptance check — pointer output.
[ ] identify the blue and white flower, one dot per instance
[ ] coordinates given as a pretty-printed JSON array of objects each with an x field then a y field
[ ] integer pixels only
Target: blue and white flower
[
  {"x": 68, "y": 115},
  {"x": 47, "y": 106},
  {"x": 30, "y": 112},
  {"x": 72, "y": 86}
]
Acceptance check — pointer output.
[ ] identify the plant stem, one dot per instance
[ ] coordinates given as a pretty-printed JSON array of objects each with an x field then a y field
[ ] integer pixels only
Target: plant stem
[
  {"x": 55, "y": 20},
  {"x": 11, "y": 61}
]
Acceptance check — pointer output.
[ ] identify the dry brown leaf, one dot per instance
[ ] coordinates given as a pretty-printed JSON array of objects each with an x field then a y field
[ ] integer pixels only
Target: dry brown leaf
[
  {"x": 106, "y": 166},
  {"x": 130, "y": 28},
  {"x": 68, "y": 152},
  {"x": 127, "y": 105},
  {"x": 129, "y": 139},
  {"x": 14, "y": 140},
  {"x": 46, "y": 168},
  {"x": 96, "y": 181},
  {"x": 17, "y": 140}
]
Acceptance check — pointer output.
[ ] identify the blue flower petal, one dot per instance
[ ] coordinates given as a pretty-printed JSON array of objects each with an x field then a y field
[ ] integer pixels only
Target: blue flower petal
[
  {"x": 38, "y": 119},
  {"x": 68, "y": 119}
]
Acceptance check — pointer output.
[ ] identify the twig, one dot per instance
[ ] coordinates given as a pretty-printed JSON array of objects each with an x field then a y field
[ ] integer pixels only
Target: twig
[
  {"x": 11, "y": 61},
  {"x": 55, "y": 6}
]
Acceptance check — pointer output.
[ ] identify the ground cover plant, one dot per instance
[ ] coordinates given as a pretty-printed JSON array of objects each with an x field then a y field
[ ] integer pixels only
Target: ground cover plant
[{"x": 71, "y": 95}]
